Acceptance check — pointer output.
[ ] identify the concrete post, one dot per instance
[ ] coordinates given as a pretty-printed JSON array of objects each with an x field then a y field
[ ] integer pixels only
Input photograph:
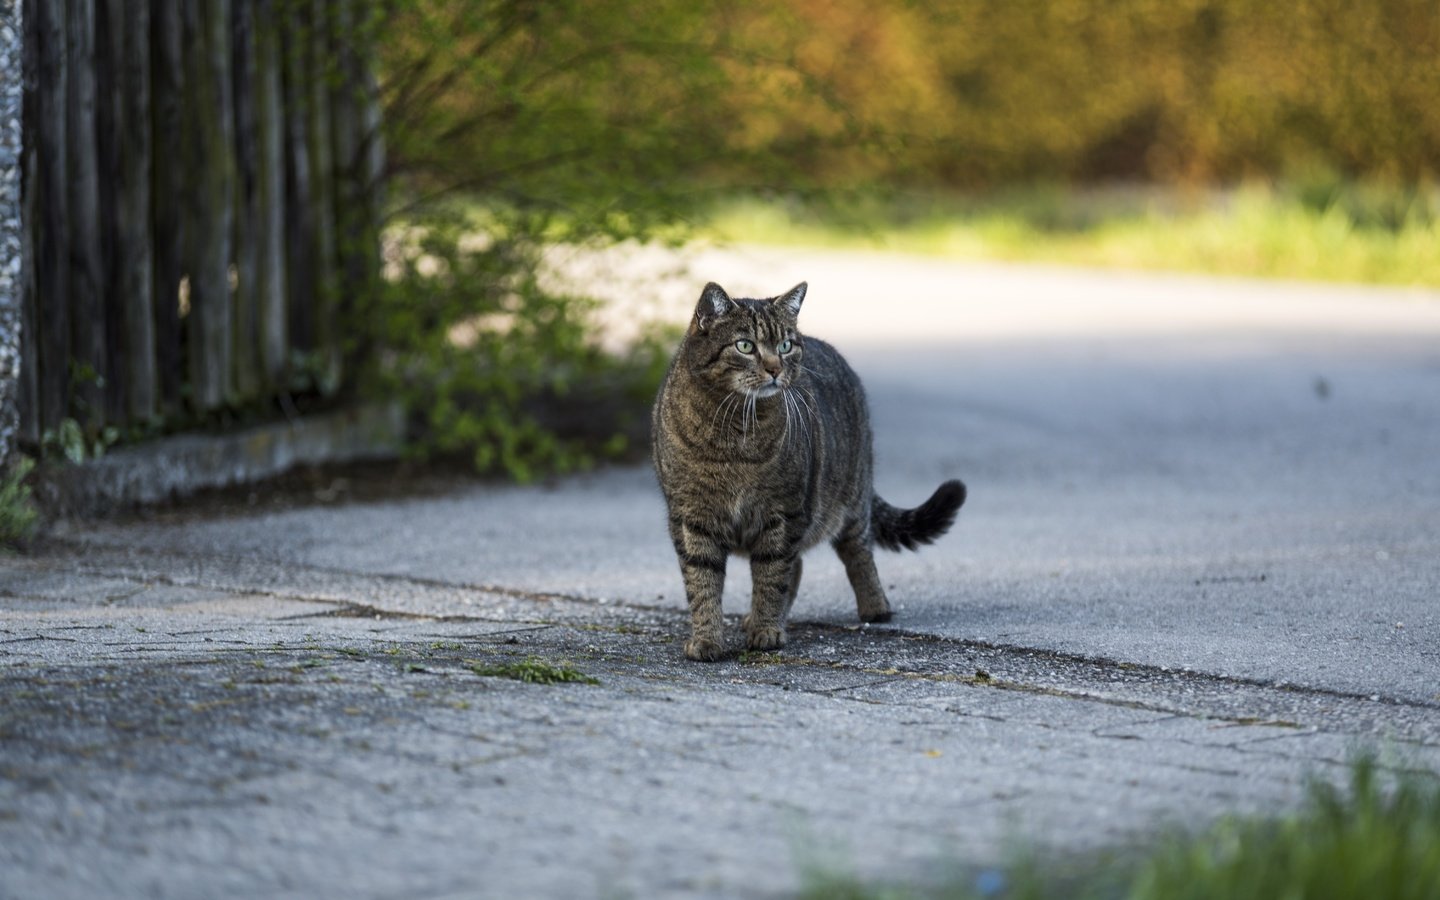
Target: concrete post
[{"x": 12, "y": 92}]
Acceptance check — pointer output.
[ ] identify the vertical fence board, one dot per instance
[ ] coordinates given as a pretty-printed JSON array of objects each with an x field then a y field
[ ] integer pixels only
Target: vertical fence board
[
  {"x": 87, "y": 265},
  {"x": 135, "y": 250},
  {"x": 167, "y": 179},
  {"x": 298, "y": 204},
  {"x": 358, "y": 245},
  {"x": 245, "y": 337},
  {"x": 322, "y": 171},
  {"x": 209, "y": 118},
  {"x": 270, "y": 202},
  {"x": 107, "y": 66}
]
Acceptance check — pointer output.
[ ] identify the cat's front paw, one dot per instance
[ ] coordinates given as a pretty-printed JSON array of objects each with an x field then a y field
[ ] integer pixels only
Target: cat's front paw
[
  {"x": 704, "y": 649},
  {"x": 764, "y": 637}
]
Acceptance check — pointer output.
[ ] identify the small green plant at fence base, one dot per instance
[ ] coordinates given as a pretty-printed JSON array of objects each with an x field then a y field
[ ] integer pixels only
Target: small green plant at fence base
[
  {"x": 534, "y": 670},
  {"x": 69, "y": 440},
  {"x": 18, "y": 515}
]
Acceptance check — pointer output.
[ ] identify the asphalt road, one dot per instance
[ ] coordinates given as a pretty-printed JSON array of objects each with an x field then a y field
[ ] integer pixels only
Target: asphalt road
[
  {"x": 1200, "y": 562},
  {"x": 1233, "y": 477}
]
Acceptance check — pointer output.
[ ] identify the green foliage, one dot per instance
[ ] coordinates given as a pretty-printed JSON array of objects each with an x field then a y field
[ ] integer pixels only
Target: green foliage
[
  {"x": 17, "y": 509},
  {"x": 1371, "y": 840},
  {"x": 533, "y": 670},
  {"x": 1379, "y": 836},
  {"x": 70, "y": 441},
  {"x": 559, "y": 102},
  {"x": 492, "y": 363},
  {"x": 594, "y": 119}
]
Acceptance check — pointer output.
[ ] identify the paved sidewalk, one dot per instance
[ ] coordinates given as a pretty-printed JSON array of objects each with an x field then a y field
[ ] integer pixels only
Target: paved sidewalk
[{"x": 176, "y": 727}]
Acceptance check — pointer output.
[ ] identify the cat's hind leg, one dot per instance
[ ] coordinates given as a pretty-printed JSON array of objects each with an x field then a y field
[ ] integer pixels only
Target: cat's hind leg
[{"x": 856, "y": 550}]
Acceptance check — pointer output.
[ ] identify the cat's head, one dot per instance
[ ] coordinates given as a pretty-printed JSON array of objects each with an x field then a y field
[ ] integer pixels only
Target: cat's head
[{"x": 749, "y": 346}]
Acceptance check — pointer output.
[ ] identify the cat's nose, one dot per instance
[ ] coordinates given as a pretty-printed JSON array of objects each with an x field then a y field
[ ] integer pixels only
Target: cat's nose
[{"x": 773, "y": 366}]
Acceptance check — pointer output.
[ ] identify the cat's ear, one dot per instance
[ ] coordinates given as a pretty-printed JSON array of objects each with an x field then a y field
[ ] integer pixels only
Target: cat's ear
[
  {"x": 793, "y": 298},
  {"x": 714, "y": 303}
]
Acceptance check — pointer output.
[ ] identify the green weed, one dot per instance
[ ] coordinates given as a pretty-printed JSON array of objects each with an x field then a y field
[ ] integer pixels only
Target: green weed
[
  {"x": 1372, "y": 839},
  {"x": 1377, "y": 836},
  {"x": 534, "y": 670},
  {"x": 17, "y": 508}
]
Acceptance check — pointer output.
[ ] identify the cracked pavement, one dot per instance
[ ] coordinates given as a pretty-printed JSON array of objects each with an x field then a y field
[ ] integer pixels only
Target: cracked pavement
[{"x": 1189, "y": 577}]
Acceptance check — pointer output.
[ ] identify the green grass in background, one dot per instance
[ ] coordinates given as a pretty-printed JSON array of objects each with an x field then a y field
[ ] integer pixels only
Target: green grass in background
[
  {"x": 1377, "y": 837},
  {"x": 1319, "y": 230}
]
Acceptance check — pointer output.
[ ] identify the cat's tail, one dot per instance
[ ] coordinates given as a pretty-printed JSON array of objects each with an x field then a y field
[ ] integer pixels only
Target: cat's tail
[{"x": 909, "y": 528}]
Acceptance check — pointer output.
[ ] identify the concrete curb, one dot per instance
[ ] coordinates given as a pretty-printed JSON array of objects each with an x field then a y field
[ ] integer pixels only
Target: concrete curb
[{"x": 179, "y": 466}]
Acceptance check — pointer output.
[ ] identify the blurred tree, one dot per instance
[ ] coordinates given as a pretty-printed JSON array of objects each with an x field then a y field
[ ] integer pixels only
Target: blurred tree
[
  {"x": 614, "y": 114},
  {"x": 596, "y": 117}
]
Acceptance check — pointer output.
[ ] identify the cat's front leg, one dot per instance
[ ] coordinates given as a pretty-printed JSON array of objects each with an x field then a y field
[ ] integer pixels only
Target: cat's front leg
[
  {"x": 775, "y": 580},
  {"x": 702, "y": 565}
]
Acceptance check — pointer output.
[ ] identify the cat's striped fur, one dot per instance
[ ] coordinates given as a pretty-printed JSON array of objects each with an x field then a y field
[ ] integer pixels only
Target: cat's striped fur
[{"x": 762, "y": 445}]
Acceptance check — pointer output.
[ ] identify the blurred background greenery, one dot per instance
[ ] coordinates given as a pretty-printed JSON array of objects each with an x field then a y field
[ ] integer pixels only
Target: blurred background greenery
[
  {"x": 1297, "y": 140},
  {"x": 623, "y": 116}
]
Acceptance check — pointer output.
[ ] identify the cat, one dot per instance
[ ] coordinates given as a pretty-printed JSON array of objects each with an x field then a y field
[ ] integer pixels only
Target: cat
[{"x": 762, "y": 447}]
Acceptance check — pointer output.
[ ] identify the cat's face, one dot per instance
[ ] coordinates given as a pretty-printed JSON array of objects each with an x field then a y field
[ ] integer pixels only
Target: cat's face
[{"x": 751, "y": 347}]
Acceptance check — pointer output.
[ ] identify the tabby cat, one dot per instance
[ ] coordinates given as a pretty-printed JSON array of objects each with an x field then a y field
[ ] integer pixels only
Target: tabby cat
[{"x": 762, "y": 446}]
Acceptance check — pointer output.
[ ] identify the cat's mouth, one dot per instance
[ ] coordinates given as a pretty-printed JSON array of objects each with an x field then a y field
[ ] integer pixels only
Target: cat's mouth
[{"x": 768, "y": 389}]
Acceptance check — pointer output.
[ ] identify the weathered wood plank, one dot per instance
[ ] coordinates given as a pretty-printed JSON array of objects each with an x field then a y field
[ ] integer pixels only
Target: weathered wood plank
[
  {"x": 299, "y": 205},
  {"x": 357, "y": 210},
  {"x": 322, "y": 173},
  {"x": 87, "y": 263},
  {"x": 109, "y": 61},
  {"x": 134, "y": 240},
  {"x": 245, "y": 337},
  {"x": 270, "y": 182},
  {"x": 209, "y": 117},
  {"x": 167, "y": 170}
]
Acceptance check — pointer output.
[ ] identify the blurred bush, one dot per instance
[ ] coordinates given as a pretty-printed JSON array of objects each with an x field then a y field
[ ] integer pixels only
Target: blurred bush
[
  {"x": 494, "y": 368},
  {"x": 615, "y": 113},
  {"x": 985, "y": 92}
]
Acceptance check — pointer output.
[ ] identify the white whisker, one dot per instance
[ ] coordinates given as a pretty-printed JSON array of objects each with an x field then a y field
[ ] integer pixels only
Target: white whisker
[
  {"x": 737, "y": 406},
  {"x": 801, "y": 395},
  {"x": 724, "y": 402},
  {"x": 793, "y": 419},
  {"x": 786, "y": 408}
]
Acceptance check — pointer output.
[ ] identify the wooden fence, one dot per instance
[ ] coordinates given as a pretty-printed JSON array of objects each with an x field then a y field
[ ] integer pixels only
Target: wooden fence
[{"x": 200, "y": 199}]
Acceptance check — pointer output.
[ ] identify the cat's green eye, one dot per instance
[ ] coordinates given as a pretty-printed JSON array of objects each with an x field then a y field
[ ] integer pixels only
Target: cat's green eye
[
  {"x": 786, "y": 346},
  {"x": 745, "y": 346}
]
